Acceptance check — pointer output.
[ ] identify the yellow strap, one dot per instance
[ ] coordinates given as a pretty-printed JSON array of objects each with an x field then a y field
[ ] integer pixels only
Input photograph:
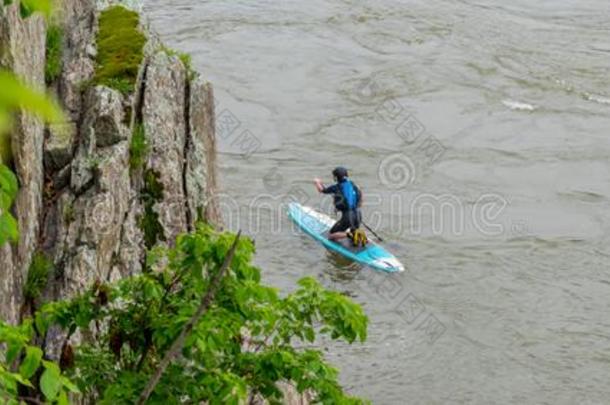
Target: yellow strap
[{"x": 359, "y": 238}]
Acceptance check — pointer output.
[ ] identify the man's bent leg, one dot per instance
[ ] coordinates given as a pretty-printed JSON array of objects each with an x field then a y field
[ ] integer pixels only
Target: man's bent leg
[
  {"x": 337, "y": 236},
  {"x": 338, "y": 231}
]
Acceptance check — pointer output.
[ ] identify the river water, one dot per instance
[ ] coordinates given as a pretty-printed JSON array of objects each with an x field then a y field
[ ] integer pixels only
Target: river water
[{"x": 479, "y": 133}]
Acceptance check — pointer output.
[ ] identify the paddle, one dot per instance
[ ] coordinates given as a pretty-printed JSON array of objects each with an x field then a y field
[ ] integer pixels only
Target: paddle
[{"x": 372, "y": 231}]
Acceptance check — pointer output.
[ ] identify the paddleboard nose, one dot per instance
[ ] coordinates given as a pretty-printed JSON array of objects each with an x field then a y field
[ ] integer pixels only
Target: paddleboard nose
[{"x": 390, "y": 264}]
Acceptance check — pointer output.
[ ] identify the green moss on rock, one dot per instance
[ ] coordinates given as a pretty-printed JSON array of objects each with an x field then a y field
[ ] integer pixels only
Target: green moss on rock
[
  {"x": 138, "y": 149},
  {"x": 186, "y": 60},
  {"x": 69, "y": 214},
  {"x": 38, "y": 275},
  {"x": 152, "y": 192},
  {"x": 120, "y": 49},
  {"x": 54, "y": 49}
]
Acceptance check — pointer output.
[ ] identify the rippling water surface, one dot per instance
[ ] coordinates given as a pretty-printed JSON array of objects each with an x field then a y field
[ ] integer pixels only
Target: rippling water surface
[{"x": 480, "y": 133}]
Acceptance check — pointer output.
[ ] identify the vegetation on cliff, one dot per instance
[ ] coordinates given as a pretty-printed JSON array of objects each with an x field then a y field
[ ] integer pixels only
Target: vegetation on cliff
[
  {"x": 138, "y": 148},
  {"x": 201, "y": 310},
  {"x": 120, "y": 49},
  {"x": 152, "y": 192},
  {"x": 29, "y": 7},
  {"x": 37, "y": 278},
  {"x": 54, "y": 45},
  {"x": 186, "y": 60}
]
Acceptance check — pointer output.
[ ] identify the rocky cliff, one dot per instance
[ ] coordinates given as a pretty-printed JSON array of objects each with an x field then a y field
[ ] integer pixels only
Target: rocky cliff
[{"x": 92, "y": 198}]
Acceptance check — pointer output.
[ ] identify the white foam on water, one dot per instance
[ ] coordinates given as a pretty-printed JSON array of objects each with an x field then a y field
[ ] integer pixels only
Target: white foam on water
[
  {"x": 597, "y": 99},
  {"x": 518, "y": 105}
]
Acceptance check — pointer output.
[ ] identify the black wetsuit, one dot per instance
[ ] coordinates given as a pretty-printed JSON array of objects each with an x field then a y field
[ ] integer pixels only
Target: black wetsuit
[{"x": 348, "y": 206}]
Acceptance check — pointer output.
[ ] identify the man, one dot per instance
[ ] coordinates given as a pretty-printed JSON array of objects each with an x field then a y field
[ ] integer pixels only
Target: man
[{"x": 348, "y": 199}]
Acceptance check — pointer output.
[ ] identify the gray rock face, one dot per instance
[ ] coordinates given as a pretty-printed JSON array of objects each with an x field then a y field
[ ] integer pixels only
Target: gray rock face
[
  {"x": 9, "y": 297},
  {"x": 131, "y": 251},
  {"x": 100, "y": 179},
  {"x": 79, "y": 27},
  {"x": 57, "y": 225},
  {"x": 163, "y": 117},
  {"x": 102, "y": 126},
  {"x": 201, "y": 180},
  {"x": 105, "y": 116},
  {"x": 27, "y": 141},
  {"x": 58, "y": 145}
]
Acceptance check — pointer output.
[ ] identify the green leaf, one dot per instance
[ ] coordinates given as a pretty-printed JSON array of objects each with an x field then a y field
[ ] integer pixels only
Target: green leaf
[
  {"x": 63, "y": 398},
  {"x": 13, "y": 350},
  {"x": 41, "y": 320},
  {"x": 50, "y": 382},
  {"x": 8, "y": 184},
  {"x": 21, "y": 380},
  {"x": 31, "y": 361},
  {"x": 8, "y": 228},
  {"x": 28, "y": 7},
  {"x": 309, "y": 334},
  {"x": 69, "y": 385},
  {"x": 5, "y": 141},
  {"x": 16, "y": 95}
]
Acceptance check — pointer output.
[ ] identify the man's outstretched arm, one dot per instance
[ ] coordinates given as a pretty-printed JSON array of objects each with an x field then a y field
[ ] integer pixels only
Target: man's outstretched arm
[{"x": 319, "y": 185}]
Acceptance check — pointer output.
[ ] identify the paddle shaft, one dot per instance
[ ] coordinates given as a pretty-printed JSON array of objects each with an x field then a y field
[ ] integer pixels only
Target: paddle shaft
[{"x": 372, "y": 231}]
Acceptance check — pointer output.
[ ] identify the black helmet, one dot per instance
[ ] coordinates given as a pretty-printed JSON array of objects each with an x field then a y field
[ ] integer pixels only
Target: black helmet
[{"x": 340, "y": 173}]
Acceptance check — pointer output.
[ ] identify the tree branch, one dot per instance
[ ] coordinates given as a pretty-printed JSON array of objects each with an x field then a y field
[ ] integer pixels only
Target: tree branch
[
  {"x": 168, "y": 289},
  {"x": 32, "y": 400},
  {"x": 178, "y": 344}
]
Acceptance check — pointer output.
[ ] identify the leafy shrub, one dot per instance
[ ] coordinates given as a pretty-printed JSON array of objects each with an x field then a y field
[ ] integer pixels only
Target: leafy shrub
[
  {"x": 34, "y": 374},
  {"x": 242, "y": 345},
  {"x": 201, "y": 327}
]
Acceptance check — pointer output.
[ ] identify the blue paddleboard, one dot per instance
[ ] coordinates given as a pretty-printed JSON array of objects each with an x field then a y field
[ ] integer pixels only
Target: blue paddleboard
[{"x": 317, "y": 226}]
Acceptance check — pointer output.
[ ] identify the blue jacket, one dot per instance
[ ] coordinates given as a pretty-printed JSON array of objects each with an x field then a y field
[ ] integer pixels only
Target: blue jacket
[{"x": 347, "y": 195}]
